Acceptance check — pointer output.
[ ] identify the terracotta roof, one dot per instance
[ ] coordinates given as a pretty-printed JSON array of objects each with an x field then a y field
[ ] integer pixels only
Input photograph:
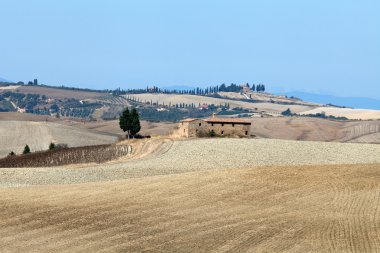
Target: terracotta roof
[{"x": 228, "y": 120}]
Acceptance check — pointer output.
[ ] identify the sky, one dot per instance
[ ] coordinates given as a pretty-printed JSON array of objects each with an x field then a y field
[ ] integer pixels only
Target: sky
[{"x": 322, "y": 46}]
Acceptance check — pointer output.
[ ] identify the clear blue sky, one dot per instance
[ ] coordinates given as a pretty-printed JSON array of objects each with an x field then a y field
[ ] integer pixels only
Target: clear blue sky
[{"x": 320, "y": 46}]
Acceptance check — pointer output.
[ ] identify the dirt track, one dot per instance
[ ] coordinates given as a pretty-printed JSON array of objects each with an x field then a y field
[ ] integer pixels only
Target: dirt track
[{"x": 331, "y": 208}]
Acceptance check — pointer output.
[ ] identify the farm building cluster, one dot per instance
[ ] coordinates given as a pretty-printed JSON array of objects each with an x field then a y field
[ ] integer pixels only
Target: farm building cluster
[{"x": 219, "y": 126}]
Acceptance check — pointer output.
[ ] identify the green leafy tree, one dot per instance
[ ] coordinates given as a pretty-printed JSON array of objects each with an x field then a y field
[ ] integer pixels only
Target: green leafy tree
[{"x": 26, "y": 150}]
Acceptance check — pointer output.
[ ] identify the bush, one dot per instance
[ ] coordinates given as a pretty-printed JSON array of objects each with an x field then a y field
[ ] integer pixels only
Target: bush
[
  {"x": 26, "y": 150},
  {"x": 211, "y": 133},
  {"x": 61, "y": 146},
  {"x": 287, "y": 112},
  {"x": 203, "y": 134},
  {"x": 51, "y": 146},
  {"x": 11, "y": 153}
]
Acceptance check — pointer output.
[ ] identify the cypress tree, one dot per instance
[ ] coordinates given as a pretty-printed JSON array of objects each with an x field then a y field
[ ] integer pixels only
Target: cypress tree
[
  {"x": 135, "y": 122},
  {"x": 125, "y": 121},
  {"x": 26, "y": 150}
]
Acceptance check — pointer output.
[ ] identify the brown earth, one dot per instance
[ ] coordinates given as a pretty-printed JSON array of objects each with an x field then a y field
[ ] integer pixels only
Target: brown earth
[{"x": 331, "y": 208}]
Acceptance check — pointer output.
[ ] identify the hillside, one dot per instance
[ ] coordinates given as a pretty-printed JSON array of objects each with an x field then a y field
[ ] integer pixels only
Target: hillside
[
  {"x": 158, "y": 156},
  {"x": 356, "y": 114},
  {"x": 199, "y": 196},
  {"x": 269, "y": 209},
  {"x": 3, "y": 80},
  {"x": 188, "y": 99},
  {"x": 315, "y": 129},
  {"x": 155, "y": 106},
  {"x": 15, "y": 135}
]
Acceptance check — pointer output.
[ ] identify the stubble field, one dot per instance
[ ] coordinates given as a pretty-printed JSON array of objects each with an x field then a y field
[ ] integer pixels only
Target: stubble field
[
  {"x": 210, "y": 195},
  {"x": 327, "y": 208}
]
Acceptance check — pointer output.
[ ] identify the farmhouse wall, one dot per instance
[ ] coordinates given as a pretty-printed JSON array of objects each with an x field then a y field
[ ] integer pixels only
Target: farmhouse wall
[
  {"x": 222, "y": 127},
  {"x": 191, "y": 128},
  {"x": 233, "y": 129}
]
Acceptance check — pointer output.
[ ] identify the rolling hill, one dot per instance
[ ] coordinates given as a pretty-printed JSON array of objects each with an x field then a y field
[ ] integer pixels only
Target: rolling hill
[
  {"x": 3, "y": 80},
  {"x": 15, "y": 135},
  {"x": 199, "y": 196}
]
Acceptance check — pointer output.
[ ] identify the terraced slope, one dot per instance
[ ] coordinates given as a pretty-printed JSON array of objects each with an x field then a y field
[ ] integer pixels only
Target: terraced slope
[{"x": 331, "y": 208}]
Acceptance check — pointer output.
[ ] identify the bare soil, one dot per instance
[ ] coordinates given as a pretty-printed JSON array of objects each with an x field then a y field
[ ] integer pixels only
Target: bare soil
[{"x": 331, "y": 208}]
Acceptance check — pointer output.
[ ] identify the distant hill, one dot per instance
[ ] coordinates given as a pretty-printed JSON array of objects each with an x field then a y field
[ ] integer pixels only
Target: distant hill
[
  {"x": 3, "y": 79},
  {"x": 178, "y": 87},
  {"x": 355, "y": 102}
]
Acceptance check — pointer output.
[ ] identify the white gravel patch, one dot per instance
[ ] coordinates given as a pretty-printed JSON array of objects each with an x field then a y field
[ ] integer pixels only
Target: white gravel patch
[{"x": 204, "y": 154}]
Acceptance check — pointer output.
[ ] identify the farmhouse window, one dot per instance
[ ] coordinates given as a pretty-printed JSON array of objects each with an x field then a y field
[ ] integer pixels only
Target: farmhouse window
[
  {"x": 246, "y": 132},
  {"x": 222, "y": 132},
  {"x": 222, "y": 124},
  {"x": 200, "y": 124},
  {"x": 233, "y": 124},
  {"x": 212, "y": 124}
]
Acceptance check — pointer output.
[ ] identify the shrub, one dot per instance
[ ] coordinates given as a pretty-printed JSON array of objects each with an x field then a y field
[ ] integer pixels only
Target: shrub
[
  {"x": 11, "y": 153},
  {"x": 211, "y": 133},
  {"x": 61, "y": 146},
  {"x": 287, "y": 112},
  {"x": 51, "y": 146},
  {"x": 26, "y": 150}
]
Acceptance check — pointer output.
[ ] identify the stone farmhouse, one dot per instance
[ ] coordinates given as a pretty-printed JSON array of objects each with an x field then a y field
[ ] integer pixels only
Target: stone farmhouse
[{"x": 221, "y": 126}]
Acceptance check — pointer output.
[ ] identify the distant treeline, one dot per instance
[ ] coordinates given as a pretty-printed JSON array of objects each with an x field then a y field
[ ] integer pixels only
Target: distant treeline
[
  {"x": 153, "y": 89},
  {"x": 195, "y": 91}
]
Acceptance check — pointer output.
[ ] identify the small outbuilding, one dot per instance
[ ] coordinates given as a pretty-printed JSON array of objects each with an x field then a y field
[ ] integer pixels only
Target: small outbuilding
[{"x": 220, "y": 126}]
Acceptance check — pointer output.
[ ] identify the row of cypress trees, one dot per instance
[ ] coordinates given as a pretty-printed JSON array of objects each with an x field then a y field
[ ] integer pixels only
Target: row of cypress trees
[{"x": 129, "y": 122}]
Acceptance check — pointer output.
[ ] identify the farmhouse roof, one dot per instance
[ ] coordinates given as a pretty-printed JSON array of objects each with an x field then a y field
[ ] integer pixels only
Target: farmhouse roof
[{"x": 228, "y": 120}]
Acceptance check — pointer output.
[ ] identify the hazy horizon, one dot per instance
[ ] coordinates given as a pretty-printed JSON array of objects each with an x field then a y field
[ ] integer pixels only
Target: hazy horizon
[{"x": 319, "y": 47}]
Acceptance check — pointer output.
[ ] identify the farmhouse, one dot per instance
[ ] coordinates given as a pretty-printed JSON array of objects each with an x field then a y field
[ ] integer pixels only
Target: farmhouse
[{"x": 220, "y": 126}]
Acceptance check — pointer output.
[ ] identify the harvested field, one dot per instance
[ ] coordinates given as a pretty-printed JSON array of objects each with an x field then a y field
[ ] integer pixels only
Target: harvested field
[
  {"x": 112, "y": 127},
  {"x": 266, "y": 97},
  {"x": 59, "y": 93},
  {"x": 7, "y": 88},
  {"x": 315, "y": 129},
  {"x": 188, "y": 99},
  {"x": 161, "y": 157},
  {"x": 363, "y": 114},
  {"x": 331, "y": 208},
  {"x": 15, "y": 116},
  {"x": 14, "y": 135}
]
